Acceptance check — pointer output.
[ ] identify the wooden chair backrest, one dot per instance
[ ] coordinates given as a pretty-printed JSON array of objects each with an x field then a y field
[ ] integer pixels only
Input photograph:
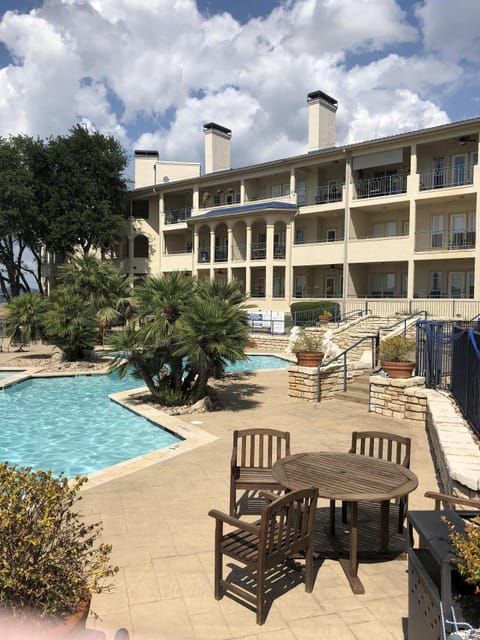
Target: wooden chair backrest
[
  {"x": 287, "y": 525},
  {"x": 386, "y": 446},
  {"x": 259, "y": 448},
  {"x": 449, "y": 501}
]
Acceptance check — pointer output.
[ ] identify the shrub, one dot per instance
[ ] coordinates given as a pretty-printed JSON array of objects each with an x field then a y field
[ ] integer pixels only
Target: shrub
[
  {"x": 467, "y": 553},
  {"x": 397, "y": 349},
  {"x": 308, "y": 342},
  {"x": 50, "y": 559}
]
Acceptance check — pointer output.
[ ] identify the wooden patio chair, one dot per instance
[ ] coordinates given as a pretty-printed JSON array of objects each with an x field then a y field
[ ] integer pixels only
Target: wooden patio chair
[
  {"x": 385, "y": 446},
  {"x": 286, "y": 528},
  {"x": 254, "y": 453},
  {"x": 449, "y": 501}
]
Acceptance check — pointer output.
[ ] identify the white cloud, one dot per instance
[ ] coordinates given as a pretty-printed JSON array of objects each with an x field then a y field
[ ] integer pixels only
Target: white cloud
[{"x": 121, "y": 64}]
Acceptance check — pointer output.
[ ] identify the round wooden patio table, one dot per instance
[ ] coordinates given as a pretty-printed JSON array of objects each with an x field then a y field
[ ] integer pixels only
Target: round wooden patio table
[{"x": 351, "y": 478}]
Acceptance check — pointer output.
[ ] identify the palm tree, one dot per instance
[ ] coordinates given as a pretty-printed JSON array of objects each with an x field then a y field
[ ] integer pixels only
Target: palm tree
[
  {"x": 211, "y": 333},
  {"x": 71, "y": 324},
  {"x": 25, "y": 318}
]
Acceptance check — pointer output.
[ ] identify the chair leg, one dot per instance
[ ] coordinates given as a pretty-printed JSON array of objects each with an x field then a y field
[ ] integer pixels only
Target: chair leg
[
  {"x": 218, "y": 589},
  {"x": 309, "y": 569},
  {"x": 402, "y": 512},
  {"x": 344, "y": 512},
  {"x": 233, "y": 495},
  {"x": 260, "y": 595},
  {"x": 332, "y": 517}
]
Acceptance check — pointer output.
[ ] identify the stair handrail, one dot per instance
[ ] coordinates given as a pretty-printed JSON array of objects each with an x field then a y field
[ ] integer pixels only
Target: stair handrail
[
  {"x": 403, "y": 321},
  {"x": 374, "y": 343}
]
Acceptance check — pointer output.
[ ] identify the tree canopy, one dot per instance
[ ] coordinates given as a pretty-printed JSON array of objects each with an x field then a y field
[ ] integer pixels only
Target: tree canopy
[{"x": 61, "y": 194}]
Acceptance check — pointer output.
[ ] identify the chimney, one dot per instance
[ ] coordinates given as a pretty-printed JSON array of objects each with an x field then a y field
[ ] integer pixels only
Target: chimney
[
  {"x": 217, "y": 147},
  {"x": 145, "y": 167},
  {"x": 322, "y": 111}
]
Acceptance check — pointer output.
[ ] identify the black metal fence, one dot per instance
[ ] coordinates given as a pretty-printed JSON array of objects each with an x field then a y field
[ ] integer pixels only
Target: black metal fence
[
  {"x": 465, "y": 385},
  {"x": 435, "y": 340}
]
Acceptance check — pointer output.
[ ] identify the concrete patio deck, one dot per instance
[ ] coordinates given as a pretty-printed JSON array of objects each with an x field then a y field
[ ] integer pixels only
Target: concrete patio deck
[{"x": 165, "y": 585}]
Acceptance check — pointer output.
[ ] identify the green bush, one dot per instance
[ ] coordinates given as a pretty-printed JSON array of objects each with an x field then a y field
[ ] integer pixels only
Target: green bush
[
  {"x": 397, "y": 349},
  {"x": 50, "y": 560},
  {"x": 320, "y": 307}
]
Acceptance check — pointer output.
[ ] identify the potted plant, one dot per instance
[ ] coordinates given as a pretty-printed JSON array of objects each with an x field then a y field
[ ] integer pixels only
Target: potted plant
[
  {"x": 308, "y": 348},
  {"x": 325, "y": 316},
  {"x": 466, "y": 560},
  {"x": 51, "y": 561},
  {"x": 396, "y": 356}
]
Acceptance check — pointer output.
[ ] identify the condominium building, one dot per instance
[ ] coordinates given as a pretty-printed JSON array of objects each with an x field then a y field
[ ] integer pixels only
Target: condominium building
[{"x": 392, "y": 219}]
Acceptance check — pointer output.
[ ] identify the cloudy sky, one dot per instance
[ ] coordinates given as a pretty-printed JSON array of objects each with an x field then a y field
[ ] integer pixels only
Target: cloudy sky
[{"x": 152, "y": 72}]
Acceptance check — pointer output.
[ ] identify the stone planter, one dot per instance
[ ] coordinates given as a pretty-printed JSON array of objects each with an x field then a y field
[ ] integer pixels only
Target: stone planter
[
  {"x": 399, "y": 369},
  {"x": 306, "y": 359}
]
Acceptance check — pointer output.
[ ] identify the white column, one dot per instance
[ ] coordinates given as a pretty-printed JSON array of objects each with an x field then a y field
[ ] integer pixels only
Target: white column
[
  {"x": 293, "y": 185},
  {"x": 196, "y": 247},
  {"x": 248, "y": 253},
  {"x": 196, "y": 198},
  {"x": 412, "y": 224},
  {"x": 212, "y": 252},
  {"x": 229, "y": 252},
  {"x": 288, "y": 261},
  {"x": 270, "y": 229}
]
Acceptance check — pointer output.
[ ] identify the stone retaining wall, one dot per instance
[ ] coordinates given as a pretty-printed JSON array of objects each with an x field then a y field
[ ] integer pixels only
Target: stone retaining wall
[
  {"x": 268, "y": 342},
  {"x": 399, "y": 397},
  {"x": 302, "y": 381}
]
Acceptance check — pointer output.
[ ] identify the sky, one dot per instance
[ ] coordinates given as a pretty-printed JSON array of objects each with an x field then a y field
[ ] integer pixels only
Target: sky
[{"x": 152, "y": 72}]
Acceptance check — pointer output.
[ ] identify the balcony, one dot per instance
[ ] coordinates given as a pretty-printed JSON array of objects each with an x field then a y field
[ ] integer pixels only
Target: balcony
[
  {"x": 321, "y": 195},
  {"x": 446, "y": 177},
  {"x": 174, "y": 216},
  {"x": 203, "y": 255},
  {"x": 384, "y": 186},
  {"x": 279, "y": 250},
  {"x": 447, "y": 240},
  {"x": 258, "y": 251},
  {"x": 221, "y": 254}
]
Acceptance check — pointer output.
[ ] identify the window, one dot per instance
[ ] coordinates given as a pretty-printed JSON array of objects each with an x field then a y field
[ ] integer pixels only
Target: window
[
  {"x": 437, "y": 227},
  {"x": 384, "y": 229},
  {"x": 301, "y": 192},
  {"x": 456, "y": 284},
  {"x": 435, "y": 284},
  {"x": 329, "y": 286},
  {"x": 140, "y": 208},
  {"x": 383, "y": 285},
  {"x": 286, "y": 189},
  {"x": 140, "y": 247},
  {"x": 438, "y": 172},
  {"x": 331, "y": 235},
  {"x": 276, "y": 191},
  {"x": 299, "y": 236},
  {"x": 460, "y": 169}
]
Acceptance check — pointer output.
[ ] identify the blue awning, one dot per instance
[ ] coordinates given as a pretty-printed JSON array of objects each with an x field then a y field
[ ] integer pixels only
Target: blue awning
[{"x": 273, "y": 205}]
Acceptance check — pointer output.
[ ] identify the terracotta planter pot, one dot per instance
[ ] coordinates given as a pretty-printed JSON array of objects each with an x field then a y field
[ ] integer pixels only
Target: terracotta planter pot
[
  {"x": 62, "y": 629},
  {"x": 399, "y": 369},
  {"x": 324, "y": 319},
  {"x": 305, "y": 359}
]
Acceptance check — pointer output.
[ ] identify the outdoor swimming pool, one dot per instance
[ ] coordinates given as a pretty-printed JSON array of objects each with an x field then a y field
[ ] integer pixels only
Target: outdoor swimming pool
[
  {"x": 7, "y": 374},
  {"x": 69, "y": 424}
]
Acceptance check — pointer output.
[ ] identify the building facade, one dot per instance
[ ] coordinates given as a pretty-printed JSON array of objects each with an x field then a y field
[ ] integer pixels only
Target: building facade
[{"x": 391, "y": 220}]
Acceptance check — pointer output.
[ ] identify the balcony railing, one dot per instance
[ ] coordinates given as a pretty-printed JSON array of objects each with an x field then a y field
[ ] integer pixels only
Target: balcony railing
[
  {"x": 384, "y": 186},
  {"x": 279, "y": 250},
  {"x": 321, "y": 195},
  {"x": 258, "y": 251},
  {"x": 221, "y": 254},
  {"x": 203, "y": 255},
  {"x": 338, "y": 238},
  {"x": 173, "y": 216},
  {"x": 446, "y": 177},
  {"x": 449, "y": 239},
  {"x": 176, "y": 252}
]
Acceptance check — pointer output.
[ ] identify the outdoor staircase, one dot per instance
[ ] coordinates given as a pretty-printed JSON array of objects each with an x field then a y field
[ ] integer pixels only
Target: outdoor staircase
[{"x": 357, "y": 390}]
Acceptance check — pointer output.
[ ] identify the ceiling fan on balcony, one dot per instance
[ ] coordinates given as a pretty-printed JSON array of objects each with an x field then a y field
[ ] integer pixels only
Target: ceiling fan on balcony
[
  {"x": 464, "y": 139},
  {"x": 332, "y": 268}
]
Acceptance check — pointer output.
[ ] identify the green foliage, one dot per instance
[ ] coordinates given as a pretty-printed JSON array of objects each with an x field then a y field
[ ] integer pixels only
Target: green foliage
[
  {"x": 25, "y": 318},
  {"x": 319, "y": 307},
  {"x": 467, "y": 553},
  {"x": 397, "y": 349},
  {"x": 50, "y": 559},
  {"x": 71, "y": 324},
  {"x": 187, "y": 334},
  {"x": 308, "y": 342}
]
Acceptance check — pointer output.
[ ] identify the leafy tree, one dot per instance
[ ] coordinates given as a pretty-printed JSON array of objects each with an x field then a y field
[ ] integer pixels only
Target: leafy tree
[
  {"x": 189, "y": 332},
  {"x": 25, "y": 318},
  {"x": 19, "y": 219},
  {"x": 86, "y": 204}
]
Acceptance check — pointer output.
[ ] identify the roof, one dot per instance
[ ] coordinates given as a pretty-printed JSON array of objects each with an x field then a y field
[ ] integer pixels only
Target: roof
[{"x": 244, "y": 208}]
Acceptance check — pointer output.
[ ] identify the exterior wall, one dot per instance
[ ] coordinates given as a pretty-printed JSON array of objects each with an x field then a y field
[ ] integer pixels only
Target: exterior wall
[{"x": 311, "y": 237}]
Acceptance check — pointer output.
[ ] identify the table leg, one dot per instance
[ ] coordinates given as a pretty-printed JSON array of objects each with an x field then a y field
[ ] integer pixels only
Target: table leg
[
  {"x": 384, "y": 522},
  {"x": 332, "y": 517},
  {"x": 350, "y": 565}
]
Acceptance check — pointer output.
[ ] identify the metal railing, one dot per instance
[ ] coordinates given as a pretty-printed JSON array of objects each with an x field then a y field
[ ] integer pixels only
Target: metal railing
[
  {"x": 446, "y": 177},
  {"x": 466, "y": 374},
  {"x": 445, "y": 240},
  {"x": 374, "y": 347},
  {"x": 321, "y": 195},
  {"x": 258, "y": 251},
  {"x": 384, "y": 186},
  {"x": 174, "y": 216}
]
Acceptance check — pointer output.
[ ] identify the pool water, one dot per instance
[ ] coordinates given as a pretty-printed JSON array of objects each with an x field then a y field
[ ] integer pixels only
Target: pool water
[{"x": 69, "y": 424}]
